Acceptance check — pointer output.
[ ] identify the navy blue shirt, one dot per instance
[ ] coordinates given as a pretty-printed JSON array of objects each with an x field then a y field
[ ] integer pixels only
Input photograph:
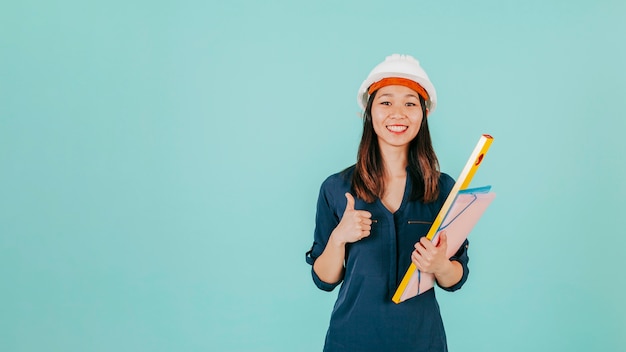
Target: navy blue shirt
[{"x": 364, "y": 317}]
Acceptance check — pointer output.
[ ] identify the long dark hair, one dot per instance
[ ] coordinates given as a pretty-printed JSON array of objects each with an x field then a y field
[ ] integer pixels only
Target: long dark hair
[{"x": 368, "y": 179}]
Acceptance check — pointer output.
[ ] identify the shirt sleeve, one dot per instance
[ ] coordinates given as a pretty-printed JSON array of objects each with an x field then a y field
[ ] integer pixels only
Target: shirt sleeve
[
  {"x": 461, "y": 257},
  {"x": 325, "y": 222}
]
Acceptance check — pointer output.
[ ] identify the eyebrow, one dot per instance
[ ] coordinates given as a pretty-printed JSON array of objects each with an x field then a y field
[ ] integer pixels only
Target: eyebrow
[{"x": 391, "y": 95}]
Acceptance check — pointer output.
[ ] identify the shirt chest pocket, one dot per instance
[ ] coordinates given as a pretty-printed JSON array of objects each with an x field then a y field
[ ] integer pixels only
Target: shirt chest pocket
[
  {"x": 418, "y": 228},
  {"x": 419, "y": 222}
]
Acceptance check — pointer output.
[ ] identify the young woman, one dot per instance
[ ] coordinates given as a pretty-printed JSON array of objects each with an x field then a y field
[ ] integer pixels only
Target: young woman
[{"x": 372, "y": 218}]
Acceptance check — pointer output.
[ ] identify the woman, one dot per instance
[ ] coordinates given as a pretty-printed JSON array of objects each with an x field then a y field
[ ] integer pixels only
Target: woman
[{"x": 372, "y": 218}]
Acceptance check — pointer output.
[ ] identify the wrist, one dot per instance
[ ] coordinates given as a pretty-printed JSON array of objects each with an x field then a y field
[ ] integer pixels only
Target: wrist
[
  {"x": 446, "y": 269},
  {"x": 451, "y": 273},
  {"x": 335, "y": 240}
]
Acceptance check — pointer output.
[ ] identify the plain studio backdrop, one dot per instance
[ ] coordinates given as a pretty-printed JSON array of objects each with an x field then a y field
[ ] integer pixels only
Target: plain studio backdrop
[{"x": 160, "y": 164}]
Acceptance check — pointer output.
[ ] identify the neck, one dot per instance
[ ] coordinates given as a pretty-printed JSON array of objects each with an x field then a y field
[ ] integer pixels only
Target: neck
[{"x": 395, "y": 160}]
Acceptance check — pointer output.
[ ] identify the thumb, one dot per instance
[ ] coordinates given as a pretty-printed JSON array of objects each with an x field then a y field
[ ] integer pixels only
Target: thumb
[
  {"x": 443, "y": 238},
  {"x": 350, "y": 204}
]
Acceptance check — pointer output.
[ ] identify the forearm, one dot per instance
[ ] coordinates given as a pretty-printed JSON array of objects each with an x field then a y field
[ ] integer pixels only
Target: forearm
[
  {"x": 450, "y": 274},
  {"x": 329, "y": 265}
]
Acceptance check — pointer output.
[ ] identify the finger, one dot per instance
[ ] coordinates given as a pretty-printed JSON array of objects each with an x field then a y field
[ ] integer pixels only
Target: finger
[
  {"x": 364, "y": 214},
  {"x": 414, "y": 258},
  {"x": 366, "y": 221},
  {"x": 443, "y": 239},
  {"x": 426, "y": 243},
  {"x": 417, "y": 260},
  {"x": 350, "y": 202},
  {"x": 419, "y": 249},
  {"x": 362, "y": 235}
]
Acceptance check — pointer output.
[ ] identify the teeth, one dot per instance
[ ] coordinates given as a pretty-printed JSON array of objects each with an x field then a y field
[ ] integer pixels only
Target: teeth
[{"x": 397, "y": 128}]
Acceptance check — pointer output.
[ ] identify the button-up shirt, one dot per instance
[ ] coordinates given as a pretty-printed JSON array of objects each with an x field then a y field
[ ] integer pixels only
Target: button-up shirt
[{"x": 364, "y": 317}]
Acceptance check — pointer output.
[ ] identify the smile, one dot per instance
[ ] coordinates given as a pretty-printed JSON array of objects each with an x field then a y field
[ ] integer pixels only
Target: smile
[{"x": 397, "y": 128}]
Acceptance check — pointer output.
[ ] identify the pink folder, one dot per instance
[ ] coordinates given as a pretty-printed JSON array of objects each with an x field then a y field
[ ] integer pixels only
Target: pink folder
[{"x": 468, "y": 206}]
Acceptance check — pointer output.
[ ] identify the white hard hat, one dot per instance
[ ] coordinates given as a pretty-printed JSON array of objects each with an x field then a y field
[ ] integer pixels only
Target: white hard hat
[{"x": 400, "y": 66}]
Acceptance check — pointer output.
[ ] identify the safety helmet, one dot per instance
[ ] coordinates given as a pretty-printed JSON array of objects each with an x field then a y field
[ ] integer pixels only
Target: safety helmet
[{"x": 400, "y": 66}]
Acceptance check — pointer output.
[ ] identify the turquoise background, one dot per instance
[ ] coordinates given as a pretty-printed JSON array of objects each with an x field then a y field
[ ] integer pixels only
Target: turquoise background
[{"x": 160, "y": 163}]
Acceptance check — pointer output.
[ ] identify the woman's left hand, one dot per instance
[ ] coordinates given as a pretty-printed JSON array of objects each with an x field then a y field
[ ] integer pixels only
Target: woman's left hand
[{"x": 431, "y": 258}]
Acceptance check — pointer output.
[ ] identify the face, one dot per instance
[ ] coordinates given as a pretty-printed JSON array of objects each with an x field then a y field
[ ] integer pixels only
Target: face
[{"x": 396, "y": 116}]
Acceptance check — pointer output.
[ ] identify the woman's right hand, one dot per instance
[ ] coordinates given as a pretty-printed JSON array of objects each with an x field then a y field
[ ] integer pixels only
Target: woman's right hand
[{"x": 354, "y": 225}]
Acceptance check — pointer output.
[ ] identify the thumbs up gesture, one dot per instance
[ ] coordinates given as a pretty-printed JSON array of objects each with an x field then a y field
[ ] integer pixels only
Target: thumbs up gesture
[{"x": 354, "y": 225}]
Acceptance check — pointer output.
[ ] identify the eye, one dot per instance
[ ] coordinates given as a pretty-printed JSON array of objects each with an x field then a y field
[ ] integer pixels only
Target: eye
[
  {"x": 385, "y": 103},
  {"x": 410, "y": 104}
]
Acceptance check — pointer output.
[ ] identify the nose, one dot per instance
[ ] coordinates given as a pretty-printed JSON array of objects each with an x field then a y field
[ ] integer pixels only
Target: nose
[{"x": 397, "y": 112}]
